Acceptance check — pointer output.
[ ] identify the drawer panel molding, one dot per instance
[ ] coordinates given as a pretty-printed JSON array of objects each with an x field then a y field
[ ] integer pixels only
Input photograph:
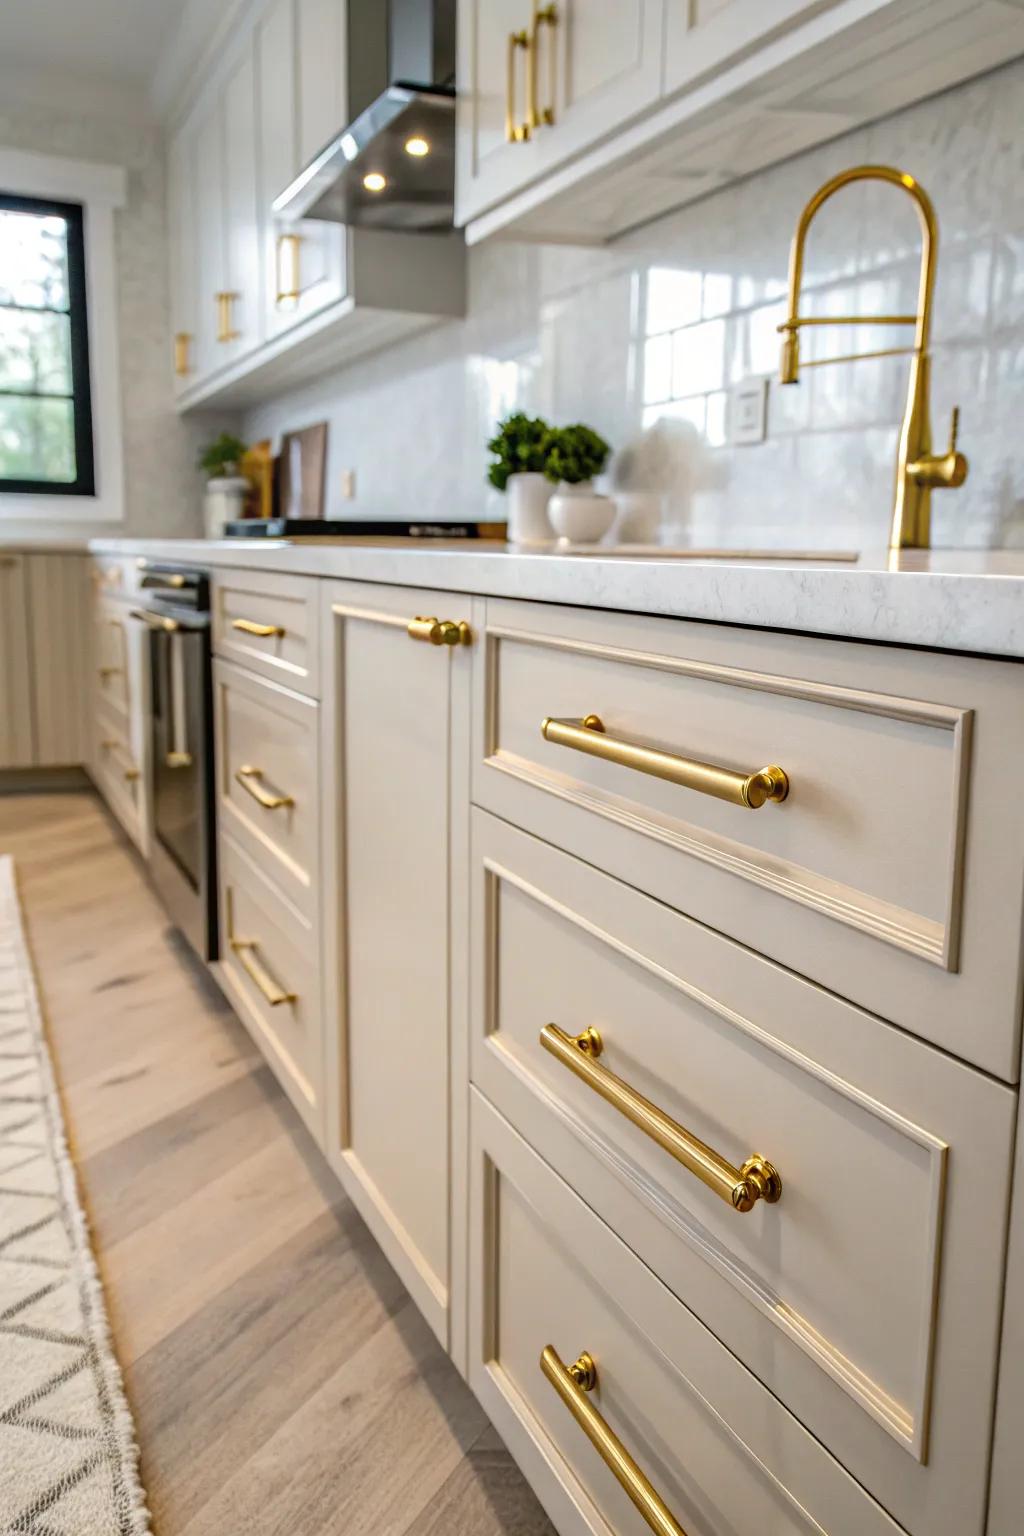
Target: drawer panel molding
[{"x": 931, "y": 938}]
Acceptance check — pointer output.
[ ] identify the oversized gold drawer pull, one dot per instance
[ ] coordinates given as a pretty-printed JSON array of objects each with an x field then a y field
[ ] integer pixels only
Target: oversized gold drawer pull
[
  {"x": 261, "y": 978},
  {"x": 572, "y": 1383},
  {"x": 740, "y": 1187},
  {"x": 264, "y": 631},
  {"x": 749, "y": 789},
  {"x": 439, "y": 631},
  {"x": 515, "y": 132},
  {"x": 249, "y": 778}
]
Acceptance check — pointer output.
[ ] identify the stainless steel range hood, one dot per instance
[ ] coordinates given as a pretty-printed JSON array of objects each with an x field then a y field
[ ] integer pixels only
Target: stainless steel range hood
[{"x": 393, "y": 165}]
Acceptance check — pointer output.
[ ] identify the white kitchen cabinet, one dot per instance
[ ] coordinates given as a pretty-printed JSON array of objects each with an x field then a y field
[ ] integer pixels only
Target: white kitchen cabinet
[
  {"x": 183, "y": 256},
  {"x": 395, "y": 764},
  {"x": 211, "y": 265},
  {"x": 241, "y": 210},
  {"x": 300, "y": 53},
  {"x": 595, "y": 66},
  {"x": 58, "y": 597},
  {"x": 16, "y": 749}
]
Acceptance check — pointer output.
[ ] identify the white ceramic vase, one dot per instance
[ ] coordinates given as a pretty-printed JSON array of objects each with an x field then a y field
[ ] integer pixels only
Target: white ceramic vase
[
  {"x": 224, "y": 502},
  {"x": 528, "y": 496},
  {"x": 578, "y": 514}
]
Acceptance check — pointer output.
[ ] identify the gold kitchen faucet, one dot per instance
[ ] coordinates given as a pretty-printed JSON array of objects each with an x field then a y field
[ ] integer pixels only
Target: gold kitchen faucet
[{"x": 918, "y": 469}]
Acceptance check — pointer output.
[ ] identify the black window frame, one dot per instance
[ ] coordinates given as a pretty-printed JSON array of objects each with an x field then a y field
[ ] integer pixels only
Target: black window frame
[{"x": 84, "y": 483}]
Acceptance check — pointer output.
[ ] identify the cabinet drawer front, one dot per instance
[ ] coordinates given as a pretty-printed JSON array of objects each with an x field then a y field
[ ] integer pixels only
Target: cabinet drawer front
[
  {"x": 894, "y": 1160},
  {"x": 118, "y": 771},
  {"x": 858, "y": 877},
  {"x": 112, "y": 662},
  {"x": 269, "y": 624},
  {"x": 269, "y": 968},
  {"x": 719, "y": 1450},
  {"x": 267, "y": 778}
]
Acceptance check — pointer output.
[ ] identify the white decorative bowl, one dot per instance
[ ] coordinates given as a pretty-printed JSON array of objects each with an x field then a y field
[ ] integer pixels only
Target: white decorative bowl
[{"x": 578, "y": 514}]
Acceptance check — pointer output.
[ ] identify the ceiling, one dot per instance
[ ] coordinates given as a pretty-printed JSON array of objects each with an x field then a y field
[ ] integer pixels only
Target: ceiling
[{"x": 127, "y": 56}]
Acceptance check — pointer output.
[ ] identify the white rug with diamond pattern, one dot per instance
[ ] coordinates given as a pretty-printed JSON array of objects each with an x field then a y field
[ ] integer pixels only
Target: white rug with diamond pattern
[{"x": 68, "y": 1456}]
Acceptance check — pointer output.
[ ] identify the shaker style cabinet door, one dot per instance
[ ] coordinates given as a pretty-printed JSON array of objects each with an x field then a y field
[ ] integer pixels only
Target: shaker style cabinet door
[
  {"x": 395, "y": 761},
  {"x": 541, "y": 82},
  {"x": 15, "y": 703},
  {"x": 243, "y": 309},
  {"x": 704, "y": 35},
  {"x": 182, "y": 253},
  {"x": 209, "y": 195}
]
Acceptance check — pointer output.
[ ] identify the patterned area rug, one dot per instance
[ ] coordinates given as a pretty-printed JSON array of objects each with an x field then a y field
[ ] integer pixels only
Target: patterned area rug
[{"x": 68, "y": 1457}]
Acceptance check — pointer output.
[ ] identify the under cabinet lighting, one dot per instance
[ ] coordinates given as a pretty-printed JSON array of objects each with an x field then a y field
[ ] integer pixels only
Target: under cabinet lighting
[
  {"x": 417, "y": 147},
  {"x": 375, "y": 182}
]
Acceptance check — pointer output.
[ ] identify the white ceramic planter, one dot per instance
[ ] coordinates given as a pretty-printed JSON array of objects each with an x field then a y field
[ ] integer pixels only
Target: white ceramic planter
[
  {"x": 528, "y": 496},
  {"x": 224, "y": 502},
  {"x": 578, "y": 514}
]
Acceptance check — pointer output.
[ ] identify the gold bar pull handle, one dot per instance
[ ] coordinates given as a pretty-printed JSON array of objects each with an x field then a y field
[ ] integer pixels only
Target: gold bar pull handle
[
  {"x": 515, "y": 132},
  {"x": 225, "y": 326},
  {"x": 739, "y": 1187},
  {"x": 264, "y": 631},
  {"x": 246, "y": 950},
  {"x": 747, "y": 789},
  {"x": 543, "y": 16},
  {"x": 440, "y": 631},
  {"x": 182, "y": 362},
  {"x": 289, "y": 260},
  {"x": 573, "y": 1383},
  {"x": 250, "y": 778}
]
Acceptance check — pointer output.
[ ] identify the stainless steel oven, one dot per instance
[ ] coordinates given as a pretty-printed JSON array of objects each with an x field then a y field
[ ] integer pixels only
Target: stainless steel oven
[{"x": 174, "y": 605}]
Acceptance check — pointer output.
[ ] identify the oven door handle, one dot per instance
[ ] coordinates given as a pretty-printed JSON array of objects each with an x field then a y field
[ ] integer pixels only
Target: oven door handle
[{"x": 193, "y": 624}]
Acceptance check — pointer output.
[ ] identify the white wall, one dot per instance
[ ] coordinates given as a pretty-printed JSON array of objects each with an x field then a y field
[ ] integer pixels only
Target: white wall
[
  {"x": 580, "y": 334},
  {"x": 162, "y": 487}
]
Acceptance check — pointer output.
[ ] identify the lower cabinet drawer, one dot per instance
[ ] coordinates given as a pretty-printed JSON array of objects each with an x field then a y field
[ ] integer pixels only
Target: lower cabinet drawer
[
  {"x": 118, "y": 773},
  {"x": 269, "y": 968},
  {"x": 825, "y": 1192},
  {"x": 707, "y": 1445}
]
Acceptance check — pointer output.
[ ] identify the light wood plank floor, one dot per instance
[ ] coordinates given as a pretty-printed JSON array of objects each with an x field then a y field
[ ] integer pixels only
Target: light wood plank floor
[{"x": 283, "y": 1383}]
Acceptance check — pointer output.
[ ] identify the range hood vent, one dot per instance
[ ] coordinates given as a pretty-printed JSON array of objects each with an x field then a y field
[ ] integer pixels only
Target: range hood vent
[{"x": 393, "y": 165}]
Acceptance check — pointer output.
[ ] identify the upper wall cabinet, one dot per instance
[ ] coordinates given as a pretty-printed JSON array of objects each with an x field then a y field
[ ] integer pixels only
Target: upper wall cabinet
[
  {"x": 259, "y": 303},
  {"x": 542, "y": 82},
  {"x": 677, "y": 97}
]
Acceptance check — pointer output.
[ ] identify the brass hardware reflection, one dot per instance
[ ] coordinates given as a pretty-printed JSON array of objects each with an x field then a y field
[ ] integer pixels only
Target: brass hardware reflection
[
  {"x": 747, "y": 789},
  {"x": 155, "y": 620},
  {"x": 515, "y": 132},
  {"x": 250, "y": 778},
  {"x": 178, "y": 759},
  {"x": 543, "y": 16},
  {"x": 440, "y": 631},
  {"x": 572, "y": 1383},
  {"x": 264, "y": 631},
  {"x": 918, "y": 470},
  {"x": 225, "y": 326},
  {"x": 116, "y": 750},
  {"x": 739, "y": 1187},
  {"x": 289, "y": 257},
  {"x": 182, "y": 363}
]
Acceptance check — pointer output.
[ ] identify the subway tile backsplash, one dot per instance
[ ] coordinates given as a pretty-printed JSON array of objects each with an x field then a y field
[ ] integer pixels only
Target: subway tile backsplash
[{"x": 667, "y": 320}]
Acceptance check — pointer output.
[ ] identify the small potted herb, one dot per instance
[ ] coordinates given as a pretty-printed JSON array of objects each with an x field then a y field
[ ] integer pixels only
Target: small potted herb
[
  {"x": 520, "y": 454},
  {"x": 226, "y": 489},
  {"x": 576, "y": 511}
]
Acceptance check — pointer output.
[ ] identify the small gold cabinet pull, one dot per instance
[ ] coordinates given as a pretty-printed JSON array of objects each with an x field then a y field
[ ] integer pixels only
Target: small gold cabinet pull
[
  {"x": 748, "y": 789},
  {"x": 249, "y": 778},
  {"x": 114, "y": 747},
  {"x": 246, "y": 950},
  {"x": 225, "y": 324},
  {"x": 182, "y": 363},
  {"x": 515, "y": 132},
  {"x": 249, "y": 627},
  {"x": 440, "y": 631},
  {"x": 572, "y": 1383},
  {"x": 740, "y": 1187}
]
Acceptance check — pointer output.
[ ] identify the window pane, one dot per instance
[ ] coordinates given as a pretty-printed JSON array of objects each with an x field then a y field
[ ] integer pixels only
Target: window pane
[
  {"x": 35, "y": 352},
  {"x": 33, "y": 260},
  {"x": 37, "y": 439}
]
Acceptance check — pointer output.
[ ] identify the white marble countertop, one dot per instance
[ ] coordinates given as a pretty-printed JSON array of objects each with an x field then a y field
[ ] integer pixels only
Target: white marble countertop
[{"x": 959, "y": 600}]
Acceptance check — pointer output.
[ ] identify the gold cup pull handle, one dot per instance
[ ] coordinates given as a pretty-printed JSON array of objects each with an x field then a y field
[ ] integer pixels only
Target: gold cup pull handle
[
  {"x": 250, "y": 778},
  {"x": 543, "y": 16},
  {"x": 264, "y": 631},
  {"x": 739, "y": 1187},
  {"x": 573, "y": 1383},
  {"x": 588, "y": 735},
  {"x": 439, "y": 631},
  {"x": 515, "y": 132}
]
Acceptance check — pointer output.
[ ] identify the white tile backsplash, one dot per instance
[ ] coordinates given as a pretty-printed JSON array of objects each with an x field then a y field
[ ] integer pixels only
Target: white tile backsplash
[{"x": 566, "y": 332}]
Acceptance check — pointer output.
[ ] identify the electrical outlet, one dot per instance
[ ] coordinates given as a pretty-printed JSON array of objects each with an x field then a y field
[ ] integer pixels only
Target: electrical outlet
[
  {"x": 748, "y": 412},
  {"x": 348, "y": 485}
]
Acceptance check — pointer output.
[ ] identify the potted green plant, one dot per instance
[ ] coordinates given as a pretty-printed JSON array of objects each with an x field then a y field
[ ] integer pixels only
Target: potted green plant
[
  {"x": 576, "y": 511},
  {"x": 225, "y": 488},
  {"x": 520, "y": 450}
]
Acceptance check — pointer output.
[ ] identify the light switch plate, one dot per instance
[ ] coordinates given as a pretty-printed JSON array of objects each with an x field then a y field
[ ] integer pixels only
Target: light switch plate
[{"x": 748, "y": 412}]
